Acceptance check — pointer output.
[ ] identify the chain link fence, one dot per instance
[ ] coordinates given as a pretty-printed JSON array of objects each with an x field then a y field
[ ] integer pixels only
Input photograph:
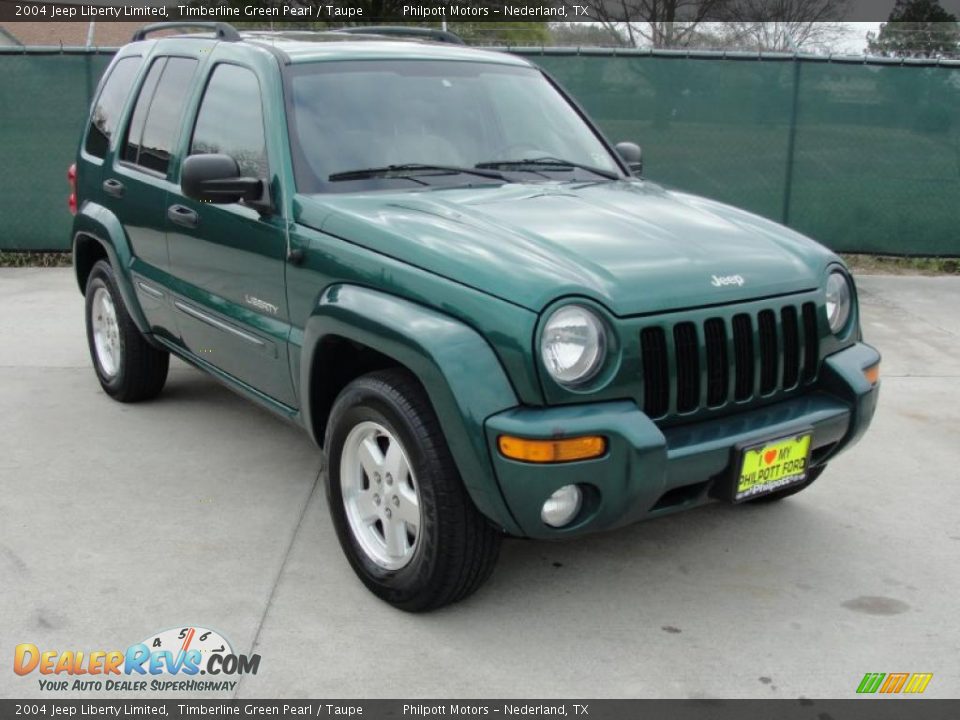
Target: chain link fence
[{"x": 864, "y": 156}]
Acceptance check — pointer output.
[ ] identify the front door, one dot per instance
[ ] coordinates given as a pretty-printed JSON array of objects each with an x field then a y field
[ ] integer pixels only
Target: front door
[{"x": 228, "y": 261}]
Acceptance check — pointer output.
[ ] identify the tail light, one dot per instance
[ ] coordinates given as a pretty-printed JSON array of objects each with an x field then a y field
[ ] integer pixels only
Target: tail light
[{"x": 72, "y": 179}]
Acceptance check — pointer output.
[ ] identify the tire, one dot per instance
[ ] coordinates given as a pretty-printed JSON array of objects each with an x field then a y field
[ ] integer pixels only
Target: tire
[
  {"x": 452, "y": 549},
  {"x": 815, "y": 472},
  {"x": 128, "y": 367}
]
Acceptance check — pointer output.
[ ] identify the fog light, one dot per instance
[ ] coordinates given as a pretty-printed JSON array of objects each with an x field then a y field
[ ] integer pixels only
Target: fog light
[{"x": 562, "y": 507}]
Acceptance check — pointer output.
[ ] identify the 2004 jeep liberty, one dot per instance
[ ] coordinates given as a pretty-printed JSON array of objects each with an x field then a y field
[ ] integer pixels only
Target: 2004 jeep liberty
[{"x": 428, "y": 257}]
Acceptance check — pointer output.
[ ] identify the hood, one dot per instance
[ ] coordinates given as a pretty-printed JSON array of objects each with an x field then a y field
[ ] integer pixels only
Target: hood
[{"x": 632, "y": 246}]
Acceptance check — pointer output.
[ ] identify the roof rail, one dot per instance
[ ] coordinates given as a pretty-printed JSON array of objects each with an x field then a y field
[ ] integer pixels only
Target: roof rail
[
  {"x": 224, "y": 31},
  {"x": 404, "y": 31}
]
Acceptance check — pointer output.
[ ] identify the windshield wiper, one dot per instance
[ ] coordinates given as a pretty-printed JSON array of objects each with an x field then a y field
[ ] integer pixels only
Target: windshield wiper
[
  {"x": 407, "y": 169},
  {"x": 547, "y": 163}
]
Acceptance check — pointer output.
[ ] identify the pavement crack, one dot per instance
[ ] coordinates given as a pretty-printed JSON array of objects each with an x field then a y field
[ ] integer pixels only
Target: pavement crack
[{"x": 283, "y": 566}]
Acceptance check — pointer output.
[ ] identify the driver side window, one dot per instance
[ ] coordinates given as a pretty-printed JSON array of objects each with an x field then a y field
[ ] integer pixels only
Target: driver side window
[{"x": 230, "y": 120}]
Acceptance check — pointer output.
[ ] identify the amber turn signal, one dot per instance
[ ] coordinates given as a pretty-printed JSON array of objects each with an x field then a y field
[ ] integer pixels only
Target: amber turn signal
[
  {"x": 872, "y": 374},
  {"x": 552, "y": 451}
]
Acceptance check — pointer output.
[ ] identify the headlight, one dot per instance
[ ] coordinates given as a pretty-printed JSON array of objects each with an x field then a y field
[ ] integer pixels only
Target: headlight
[
  {"x": 573, "y": 344},
  {"x": 839, "y": 299}
]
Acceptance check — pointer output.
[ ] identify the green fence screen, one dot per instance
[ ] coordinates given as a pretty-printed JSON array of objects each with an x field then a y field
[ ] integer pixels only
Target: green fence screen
[
  {"x": 44, "y": 100},
  {"x": 862, "y": 156}
]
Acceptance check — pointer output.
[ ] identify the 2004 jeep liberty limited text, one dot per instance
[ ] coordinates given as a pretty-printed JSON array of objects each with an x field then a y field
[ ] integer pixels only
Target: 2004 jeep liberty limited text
[{"x": 428, "y": 257}]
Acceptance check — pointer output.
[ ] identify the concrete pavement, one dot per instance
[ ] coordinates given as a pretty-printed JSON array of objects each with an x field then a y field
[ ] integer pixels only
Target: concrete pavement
[{"x": 119, "y": 521}]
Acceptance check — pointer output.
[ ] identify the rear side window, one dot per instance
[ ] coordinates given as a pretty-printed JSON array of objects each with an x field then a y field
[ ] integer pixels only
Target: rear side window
[
  {"x": 106, "y": 112},
  {"x": 158, "y": 113},
  {"x": 230, "y": 120},
  {"x": 131, "y": 147}
]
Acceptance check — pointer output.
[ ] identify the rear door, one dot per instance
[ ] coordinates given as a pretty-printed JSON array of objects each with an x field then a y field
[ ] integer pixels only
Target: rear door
[
  {"x": 228, "y": 261},
  {"x": 136, "y": 183},
  {"x": 105, "y": 117}
]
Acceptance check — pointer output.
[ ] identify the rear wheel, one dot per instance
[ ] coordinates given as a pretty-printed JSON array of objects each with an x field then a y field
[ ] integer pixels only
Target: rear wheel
[
  {"x": 128, "y": 367},
  {"x": 401, "y": 512}
]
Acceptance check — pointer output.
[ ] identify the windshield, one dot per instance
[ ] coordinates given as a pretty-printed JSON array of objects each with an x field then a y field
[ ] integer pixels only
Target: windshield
[{"x": 347, "y": 117}]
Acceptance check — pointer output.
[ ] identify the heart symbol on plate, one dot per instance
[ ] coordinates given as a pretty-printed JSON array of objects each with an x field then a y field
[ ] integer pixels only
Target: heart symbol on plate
[{"x": 769, "y": 456}]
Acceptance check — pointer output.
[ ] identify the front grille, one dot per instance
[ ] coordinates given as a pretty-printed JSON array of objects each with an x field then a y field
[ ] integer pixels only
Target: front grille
[{"x": 721, "y": 360}]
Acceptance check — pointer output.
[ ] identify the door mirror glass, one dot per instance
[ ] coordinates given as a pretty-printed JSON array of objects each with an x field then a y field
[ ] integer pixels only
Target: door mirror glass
[
  {"x": 216, "y": 178},
  {"x": 632, "y": 155}
]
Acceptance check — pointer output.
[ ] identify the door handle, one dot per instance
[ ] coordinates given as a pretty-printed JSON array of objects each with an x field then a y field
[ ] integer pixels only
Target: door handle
[
  {"x": 183, "y": 216},
  {"x": 113, "y": 187}
]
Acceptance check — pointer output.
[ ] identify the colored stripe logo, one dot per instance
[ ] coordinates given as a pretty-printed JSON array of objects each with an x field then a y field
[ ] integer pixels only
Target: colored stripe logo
[{"x": 894, "y": 683}]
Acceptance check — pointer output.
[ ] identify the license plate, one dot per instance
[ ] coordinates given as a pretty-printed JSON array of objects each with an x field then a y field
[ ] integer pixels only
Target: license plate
[{"x": 772, "y": 465}]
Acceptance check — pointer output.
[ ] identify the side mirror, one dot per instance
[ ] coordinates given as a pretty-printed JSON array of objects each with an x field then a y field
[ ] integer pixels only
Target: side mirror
[
  {"x": 216, "y": 179},
  {"x": 632, "y": 155}
]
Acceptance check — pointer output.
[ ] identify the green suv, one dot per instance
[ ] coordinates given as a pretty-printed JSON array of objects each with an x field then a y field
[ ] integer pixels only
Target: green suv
[{"x": 428, "y": 257}]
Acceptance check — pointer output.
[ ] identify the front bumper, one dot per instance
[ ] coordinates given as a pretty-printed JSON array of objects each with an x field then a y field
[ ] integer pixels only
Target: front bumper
[{"x": 648, "y": 471}]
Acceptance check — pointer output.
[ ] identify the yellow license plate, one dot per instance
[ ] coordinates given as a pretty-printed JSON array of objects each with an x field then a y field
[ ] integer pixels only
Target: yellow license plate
[{"x": 772, "y": 466}]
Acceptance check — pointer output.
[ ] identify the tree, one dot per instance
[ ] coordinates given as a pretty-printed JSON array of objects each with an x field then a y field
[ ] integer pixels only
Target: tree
[
  {"x": 585, "y": 35},
  {"x": 771, "y": 25},
  {"x": 658, "y": 23},
  {"x": 784, "y": 25},
  {"x": 474, "y": 33},
  {"x": 917, "y": 28},
  {"x": 511, "y": 34},
  {"x": 818, "y": 37}
]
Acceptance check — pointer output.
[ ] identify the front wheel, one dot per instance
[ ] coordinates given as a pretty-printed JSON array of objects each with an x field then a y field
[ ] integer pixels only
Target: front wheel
[{"x": 401, "y": 512}]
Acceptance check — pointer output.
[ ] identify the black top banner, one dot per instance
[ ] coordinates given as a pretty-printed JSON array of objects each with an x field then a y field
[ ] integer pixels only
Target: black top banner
[
  {"x": 915, "y": 709},
  {"x": 418, "y": 11}
]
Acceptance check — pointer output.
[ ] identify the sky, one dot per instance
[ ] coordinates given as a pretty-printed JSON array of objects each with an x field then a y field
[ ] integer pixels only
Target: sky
[{"x": 855, "y": 40}]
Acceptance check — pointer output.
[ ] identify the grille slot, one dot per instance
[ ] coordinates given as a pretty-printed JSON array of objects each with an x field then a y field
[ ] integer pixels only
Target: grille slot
[
  {"x": 688, "y": 366},
  {"x": 811, "y": 342},
  {"x": 743, "y": 351},
  {"x": 656, "y": 374},
  {"x": 715, "y": 336},
  {"x": 716, "y": 361},
  {"x": 791, "y": 347},
  {"x": 767, "y": 332}
]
